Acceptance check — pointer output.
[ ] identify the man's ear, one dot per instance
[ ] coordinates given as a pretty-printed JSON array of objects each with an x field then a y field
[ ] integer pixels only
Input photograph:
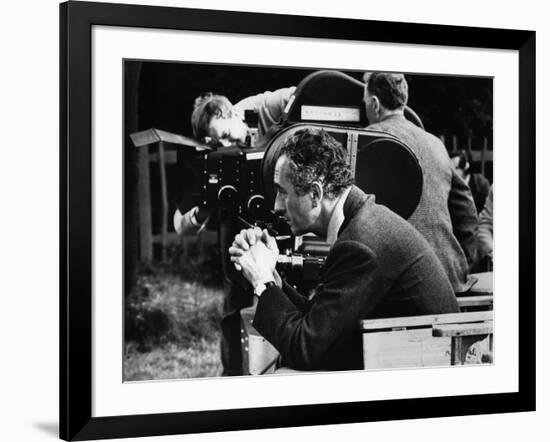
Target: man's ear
[
  {"x": 316, "y": 193},
  {"x": 376, "y": 104}
]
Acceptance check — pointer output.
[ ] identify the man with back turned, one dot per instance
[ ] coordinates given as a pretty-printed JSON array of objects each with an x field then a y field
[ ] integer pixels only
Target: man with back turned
[{"x": 446, "y": 215}]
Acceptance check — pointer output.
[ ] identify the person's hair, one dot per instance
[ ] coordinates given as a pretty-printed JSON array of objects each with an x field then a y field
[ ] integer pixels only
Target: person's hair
[
  {"x": 205, "y": 108},
  {"x": 391, "y": 89},
  {"x": 464, "y": 159},
  {"x": 316, "y": 156}
]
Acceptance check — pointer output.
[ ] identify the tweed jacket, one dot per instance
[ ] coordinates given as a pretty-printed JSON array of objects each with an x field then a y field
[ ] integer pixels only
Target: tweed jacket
[
  {"x": 379, "y": 266},
  {"x": 446, "y": 214}
]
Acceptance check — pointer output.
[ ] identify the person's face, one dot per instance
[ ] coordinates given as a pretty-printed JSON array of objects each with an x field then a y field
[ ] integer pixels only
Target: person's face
[
  {"x": 227, "y": 129},
  {"x": 299, "y": 211},
  {"x": 461, "y": 172},
  {"x": 372, "y": 106}
]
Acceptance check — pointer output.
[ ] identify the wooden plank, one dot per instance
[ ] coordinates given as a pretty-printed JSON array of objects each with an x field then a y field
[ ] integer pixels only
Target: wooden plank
[
  {"x": 171, "y": 238},
  {"x": 151, "y": 136},
  {"x": 170, "y": 157},
  {"x": 424, "y": 320},
  {"x": 471, "y": 329},
  {"x": 144, "y": 198},
  {"x": 405, "y": 348},
  {"x": 181, "y": 140},
  {"x": 144, "y": 138},
  {"x": 478, "y": 155},
  {"x": 484, "y": 284},
  {"x": 164, "y": 200},
  {"x": 483, "y": 155},
  {"x": 475, "y": 301}
]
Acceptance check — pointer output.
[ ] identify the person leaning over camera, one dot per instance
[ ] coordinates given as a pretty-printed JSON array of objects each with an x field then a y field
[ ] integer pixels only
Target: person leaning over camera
[
  {"x": 446, "y": 214},
  {"x": 378, "y": 264},
  {"x": 215, "y": 117}
]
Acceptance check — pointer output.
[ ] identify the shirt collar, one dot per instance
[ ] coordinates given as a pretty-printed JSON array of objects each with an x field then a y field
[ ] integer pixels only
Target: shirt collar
[{"x": 337, "y": 218}]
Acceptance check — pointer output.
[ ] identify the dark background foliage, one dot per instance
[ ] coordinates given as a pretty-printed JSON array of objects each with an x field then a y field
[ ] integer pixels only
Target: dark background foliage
[{"x": 448, "y": 105}]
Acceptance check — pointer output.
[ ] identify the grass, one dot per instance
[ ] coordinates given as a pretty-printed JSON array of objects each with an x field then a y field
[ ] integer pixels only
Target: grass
[
  {"x": 172, "y": 361},
  {"x": 172, "y": 328}
]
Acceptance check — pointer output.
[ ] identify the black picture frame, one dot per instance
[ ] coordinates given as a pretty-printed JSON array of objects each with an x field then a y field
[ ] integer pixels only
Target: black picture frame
[{"x": 76, "y": 21}]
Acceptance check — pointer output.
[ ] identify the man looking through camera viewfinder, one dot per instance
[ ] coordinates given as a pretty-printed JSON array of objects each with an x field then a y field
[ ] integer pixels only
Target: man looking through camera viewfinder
[{"x": 378, "y": 264}]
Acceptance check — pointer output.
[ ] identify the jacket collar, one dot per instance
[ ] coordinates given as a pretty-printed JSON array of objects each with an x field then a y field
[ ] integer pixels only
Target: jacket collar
[
  {"x": 337, "y": 218},
  {"x": 354, "y": 202}
]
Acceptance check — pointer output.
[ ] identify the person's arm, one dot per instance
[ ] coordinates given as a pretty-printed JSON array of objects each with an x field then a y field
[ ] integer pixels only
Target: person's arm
[
  {"x": 351, "y": 287},
  {"x": 299, "y": 300},
  {"x": 485, "y": 232},
  {"x": 463, "y": 216},
  {"x": 191, "y": 221},
  {"x": 269, "y": 105}
]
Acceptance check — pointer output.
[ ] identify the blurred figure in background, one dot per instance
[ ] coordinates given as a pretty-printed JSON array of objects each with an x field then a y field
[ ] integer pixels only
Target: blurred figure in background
[
  {"x": 479, "y": 185},
  {"x": 485, "y": 233}
]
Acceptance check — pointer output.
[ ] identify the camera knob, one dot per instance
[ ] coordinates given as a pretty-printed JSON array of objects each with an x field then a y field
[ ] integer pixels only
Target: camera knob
[
  {"x": 227, "y": 194},
  {"x": 256, "y": 206},
  {"x": 255, "y": 202}
]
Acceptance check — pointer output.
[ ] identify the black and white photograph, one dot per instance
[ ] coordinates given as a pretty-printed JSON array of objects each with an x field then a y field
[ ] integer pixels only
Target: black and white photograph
[
  {"x": 273, "y": 220},
  {"x": 287, "y": 220}
]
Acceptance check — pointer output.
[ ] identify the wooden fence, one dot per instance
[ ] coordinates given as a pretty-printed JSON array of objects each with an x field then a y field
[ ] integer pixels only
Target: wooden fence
[{"x": 480, "y": 152}]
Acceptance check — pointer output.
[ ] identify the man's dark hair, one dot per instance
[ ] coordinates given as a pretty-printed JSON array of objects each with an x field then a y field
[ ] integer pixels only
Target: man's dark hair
[
  {"x": 391, "y": 89},
  {"x": 316, "y": 156}
]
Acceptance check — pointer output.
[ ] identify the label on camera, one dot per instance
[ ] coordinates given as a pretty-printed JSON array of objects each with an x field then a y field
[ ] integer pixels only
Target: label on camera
[
  {"x": 255, "y": 155},
  {"x": 326, "y": 113}
]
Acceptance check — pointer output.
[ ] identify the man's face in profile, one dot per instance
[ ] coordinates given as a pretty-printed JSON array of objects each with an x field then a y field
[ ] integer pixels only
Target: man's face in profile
[{"x": 297, "y": 209}]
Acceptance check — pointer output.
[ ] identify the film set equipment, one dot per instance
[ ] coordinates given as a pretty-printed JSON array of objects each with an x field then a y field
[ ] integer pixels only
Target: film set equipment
[{"x": 240, "y": 177}]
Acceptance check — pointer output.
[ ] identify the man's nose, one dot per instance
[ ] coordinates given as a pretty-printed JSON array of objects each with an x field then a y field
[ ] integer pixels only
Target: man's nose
[{"x": 278, "y": 208}]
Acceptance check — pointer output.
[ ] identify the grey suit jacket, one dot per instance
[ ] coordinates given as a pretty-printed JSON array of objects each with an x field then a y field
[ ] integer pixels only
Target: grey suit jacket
[
  {"x": 379, "y": 266},
  {"x": 446, "y": 214}
]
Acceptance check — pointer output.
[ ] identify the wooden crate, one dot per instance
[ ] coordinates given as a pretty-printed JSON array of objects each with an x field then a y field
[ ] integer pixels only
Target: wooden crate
[
  {"x": 259, "y": 356},
  {"x": 426, "y": 341}
]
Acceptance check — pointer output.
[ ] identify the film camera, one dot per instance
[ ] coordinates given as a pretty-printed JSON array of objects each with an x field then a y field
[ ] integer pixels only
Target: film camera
[{"x": 240, "y": 178}]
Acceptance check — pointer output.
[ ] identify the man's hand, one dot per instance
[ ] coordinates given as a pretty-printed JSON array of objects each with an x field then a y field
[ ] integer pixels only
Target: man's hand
[
  {"x": 244, "y": 240},
  {"x": 255, "y": 252}
]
